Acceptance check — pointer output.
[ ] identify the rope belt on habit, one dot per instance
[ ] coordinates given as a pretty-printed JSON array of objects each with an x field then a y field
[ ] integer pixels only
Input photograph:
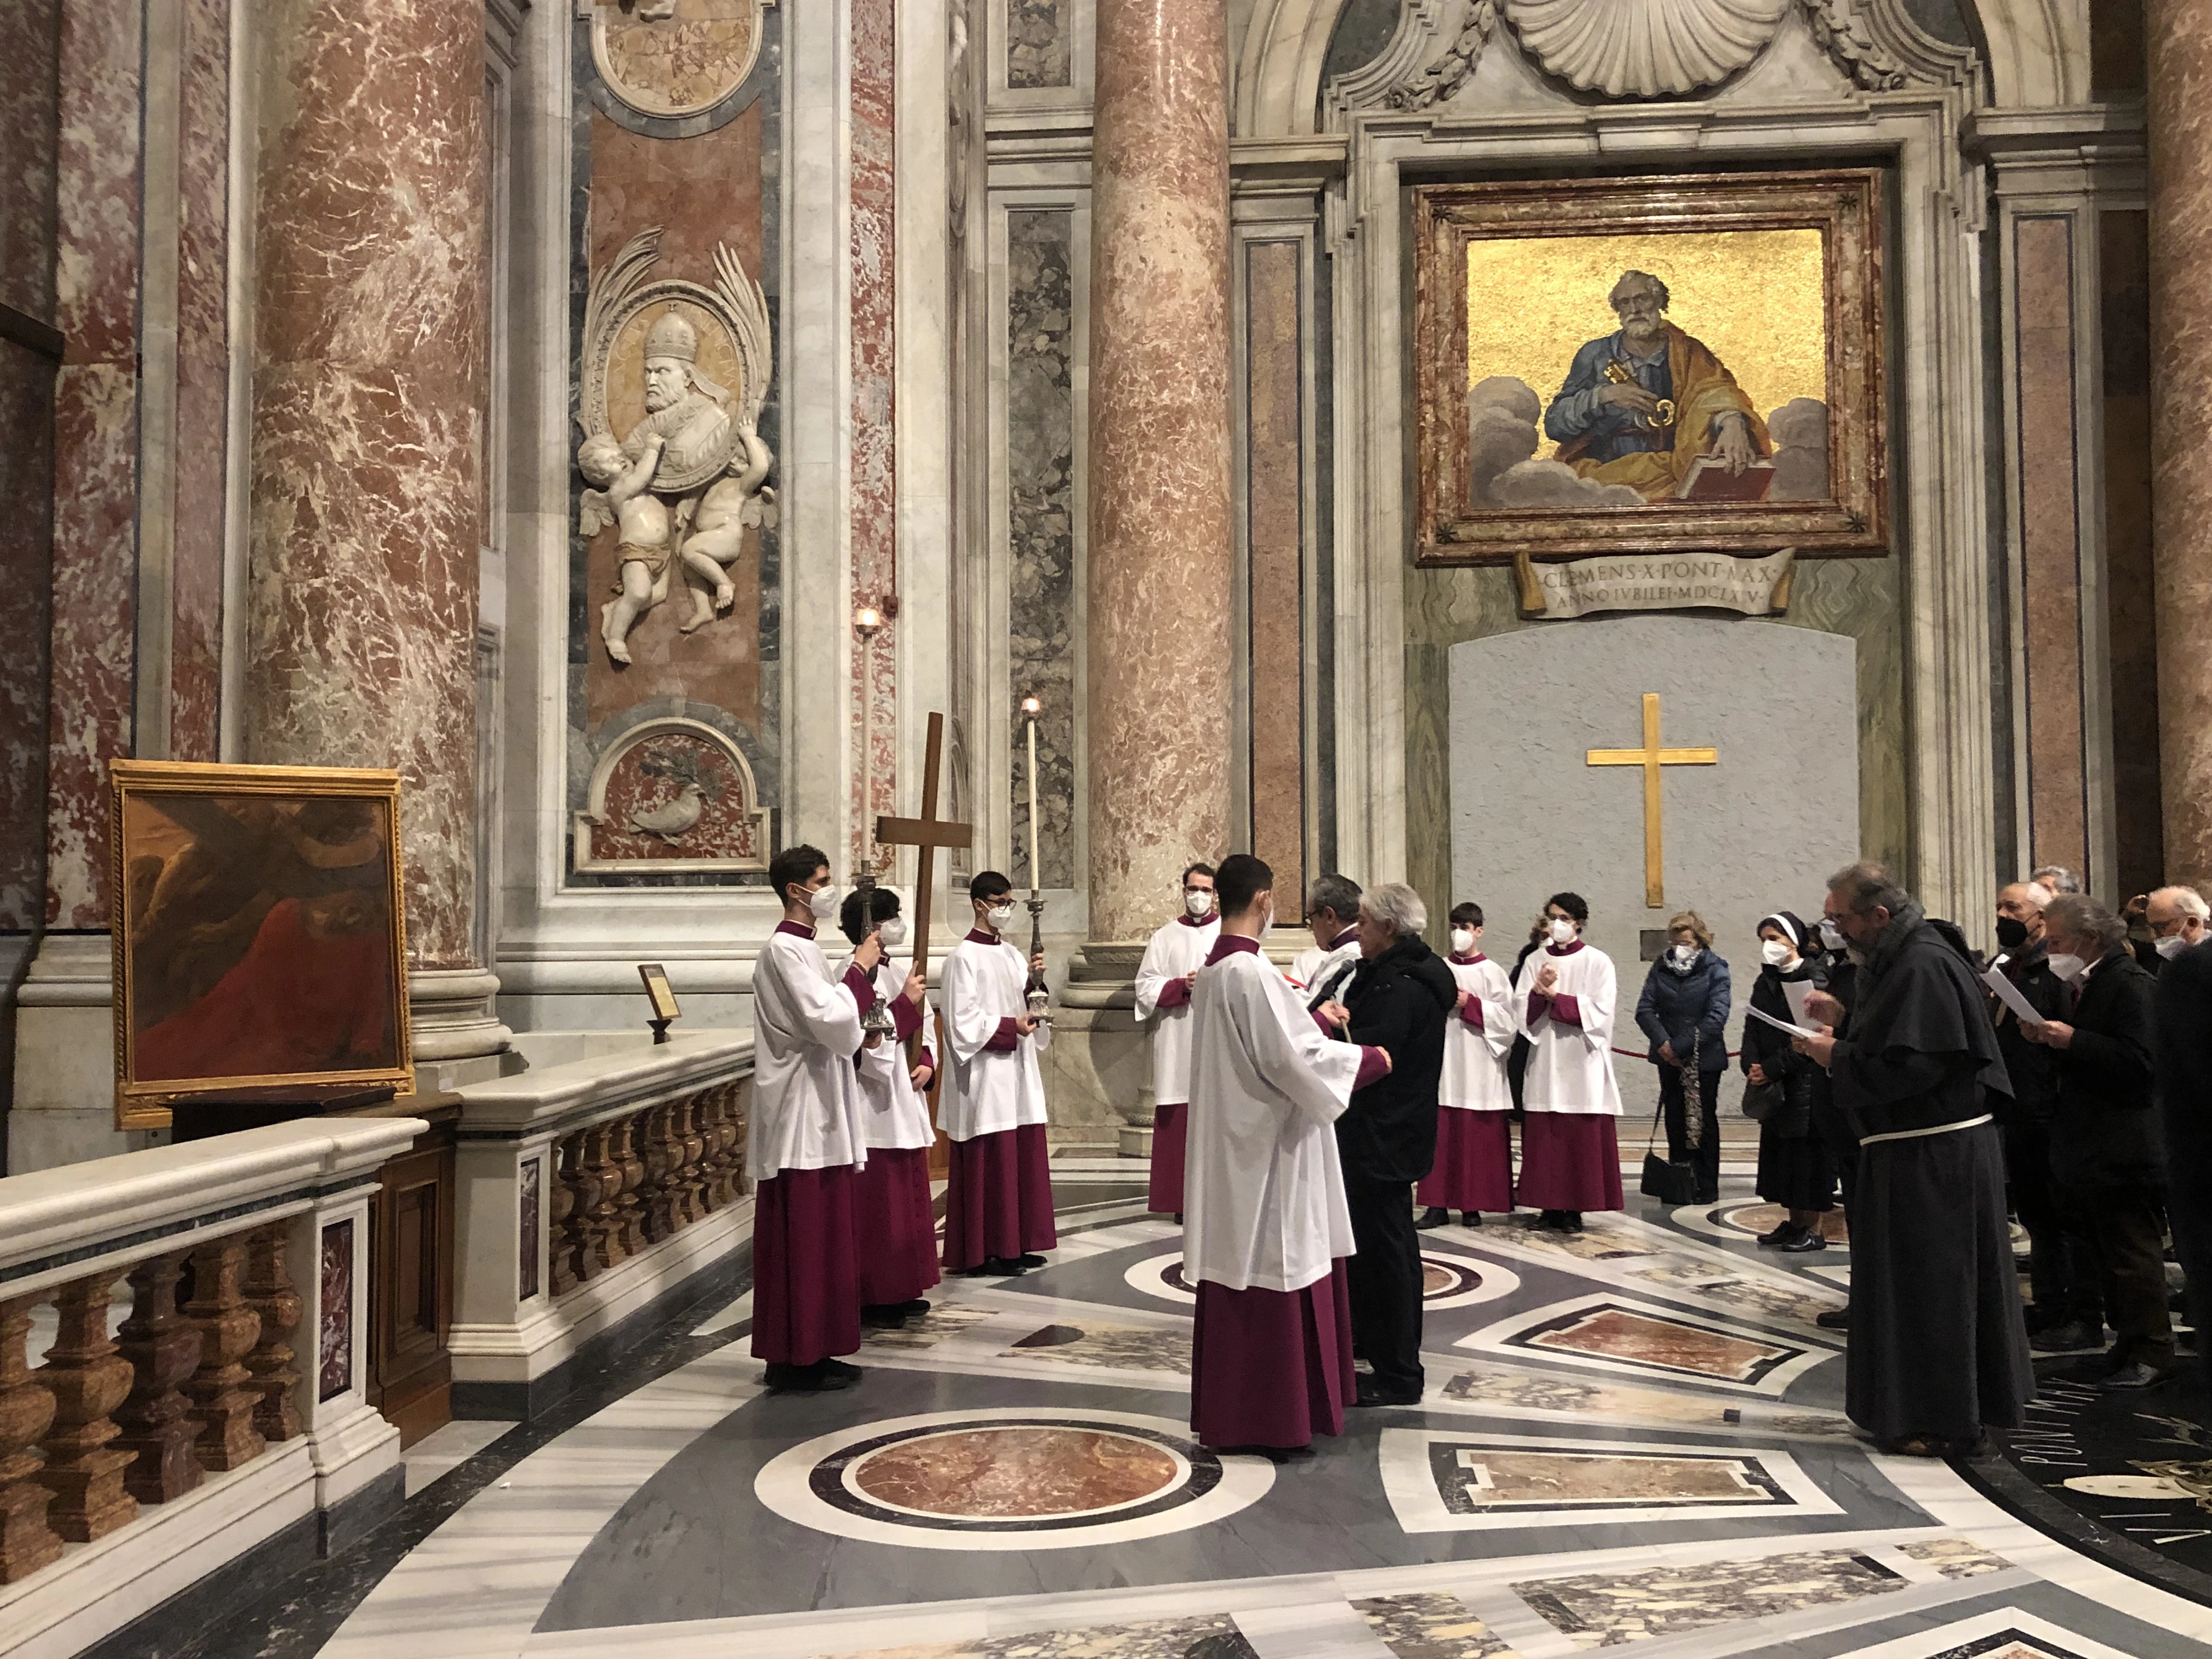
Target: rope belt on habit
[{"x": 1940, "y": 1129}]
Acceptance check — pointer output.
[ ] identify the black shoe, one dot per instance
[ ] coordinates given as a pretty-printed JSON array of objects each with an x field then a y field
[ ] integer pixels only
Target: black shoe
[
  {"x": 914, "y": 1310},
  {"x": 1470, "y": 1218},
  {"x": 839, "y": 1368},
  {"x": 883, "y": 1316},
  {"x": 1371, "y": 1393},
  {"x": 1570, "y": 1221},
  {"x": 1431, "y": 1218},
  {"x": 2136, "y": 1374},
  {"x": 1006, "y": 1266},
  {"x": 817, "y": 1379},
  {"x": 1272, "y": 1454},
  {"x": 1031, "y": 1259},
  {"x": 1836, "y": 1319},
  {"x": 1806, "y": 1240},
  {"x": 2072, "y": 1336},
  {"x": 1556, "y": 1221},
  {"x": 1712, "y": 1197},
  {"x": 1179, "y": 1222},
  {"x": 1779, "y": 1237}
]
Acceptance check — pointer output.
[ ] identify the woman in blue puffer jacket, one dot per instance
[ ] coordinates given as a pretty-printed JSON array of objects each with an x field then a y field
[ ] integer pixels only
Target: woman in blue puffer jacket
[{"x": 1684, "y": 1010}]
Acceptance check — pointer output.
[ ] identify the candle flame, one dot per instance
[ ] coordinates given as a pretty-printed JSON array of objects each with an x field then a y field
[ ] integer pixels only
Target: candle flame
[{"x": 1030, "y": 706}]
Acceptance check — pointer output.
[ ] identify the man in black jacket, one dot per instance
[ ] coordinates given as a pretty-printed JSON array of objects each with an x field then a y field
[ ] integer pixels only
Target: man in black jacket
[
  {"x": 2067, "y": 1310},
  {"x": 1398, "y": 1001},
  {"x": 2184, "y": 1111},
  {"x": 2104, "y": 1135}
]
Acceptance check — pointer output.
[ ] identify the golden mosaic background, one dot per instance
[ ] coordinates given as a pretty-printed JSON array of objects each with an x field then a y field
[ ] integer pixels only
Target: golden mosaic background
[{"x": 1757, "y": 297}]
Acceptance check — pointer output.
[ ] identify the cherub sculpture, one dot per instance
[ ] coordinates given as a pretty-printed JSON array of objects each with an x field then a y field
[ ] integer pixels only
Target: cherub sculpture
[
  {"x": 730, "y": 506},
  {"x": 623, "y": 498}
]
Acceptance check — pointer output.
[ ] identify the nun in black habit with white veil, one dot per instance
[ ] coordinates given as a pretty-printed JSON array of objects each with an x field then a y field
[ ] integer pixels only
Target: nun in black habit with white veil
[{"x": 1938, "y": 1347}]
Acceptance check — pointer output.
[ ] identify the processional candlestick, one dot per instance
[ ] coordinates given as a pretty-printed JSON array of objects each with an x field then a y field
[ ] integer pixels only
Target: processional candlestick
[{"x": 1039, "y": 998}]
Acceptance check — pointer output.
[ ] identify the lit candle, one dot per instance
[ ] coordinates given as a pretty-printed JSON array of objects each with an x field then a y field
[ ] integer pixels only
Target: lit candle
[{"x": 1029, "y": 706}]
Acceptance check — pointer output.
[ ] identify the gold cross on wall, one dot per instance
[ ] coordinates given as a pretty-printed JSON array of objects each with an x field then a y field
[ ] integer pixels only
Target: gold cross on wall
[{"x": 1651, "y": 757}]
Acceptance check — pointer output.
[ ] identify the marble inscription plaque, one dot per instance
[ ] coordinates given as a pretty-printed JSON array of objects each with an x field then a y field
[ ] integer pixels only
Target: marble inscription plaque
[{"x": 1472, "y": 1478}]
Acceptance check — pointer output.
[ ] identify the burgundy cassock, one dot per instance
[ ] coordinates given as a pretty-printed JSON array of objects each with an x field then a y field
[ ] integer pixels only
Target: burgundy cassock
[
  {"x": 1248, "y": 1347},
  {"x": 998, "y": 1198},
  {"x": 1570, "y": 1161},
  {"x": 1474, "y": 1169},
  {"x": 806, "y": 1295},
  {"x": 897, "y": 1228},
  {"x": 1163, "y": 1196}
]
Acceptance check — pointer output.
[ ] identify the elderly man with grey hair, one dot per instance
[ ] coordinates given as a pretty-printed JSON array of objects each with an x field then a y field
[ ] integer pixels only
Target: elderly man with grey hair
[
  {"x": 2104, "y": 1135},
  {"x": 2176, "y": 918},
  {"x": 1938, "y": 1351},
  {"x": 1397, "y": 1000}
]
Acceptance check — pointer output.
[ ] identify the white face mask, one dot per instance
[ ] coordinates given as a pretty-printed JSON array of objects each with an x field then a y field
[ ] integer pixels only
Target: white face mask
[
  {"x": 892, "y": 933},
  {"x": 2171, "y": 945},
  {"x": 1832, "y": 936},
  {"x": 1000, "y": 916},
  {"x": 1463, "y": 941},
  {"x": 1563, "y": 931},
  {"x": 2067, "y": 965},
  {"x": 825, "y": 903},
  {"x": 1685, "y": 953},
  {"x": 1777, "y": 951},
  {"x": 1200, "y": 905}
]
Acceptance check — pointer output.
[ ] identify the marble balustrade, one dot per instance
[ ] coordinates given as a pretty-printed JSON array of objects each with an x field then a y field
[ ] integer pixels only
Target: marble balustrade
[
  {"x": 596, "y": 1178},
  {"x": 183, "y": 1339}
]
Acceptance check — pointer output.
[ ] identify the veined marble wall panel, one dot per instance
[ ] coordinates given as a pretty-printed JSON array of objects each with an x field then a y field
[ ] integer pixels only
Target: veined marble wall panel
[
  {"x": 30, "y": 48},
  {"x": 95, "y": 450},
  {"x": 1041, "y": 521},
  {"x": 874, "y": 465},
  {"x": 706, "y": 180}
]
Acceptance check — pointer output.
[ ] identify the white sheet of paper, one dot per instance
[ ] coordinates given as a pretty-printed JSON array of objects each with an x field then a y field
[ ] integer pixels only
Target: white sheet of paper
[
  {"x": 1797, "y": 990},
  {"x": 1782, "y": 1025},
  {"x": 2008, "y": 993}
]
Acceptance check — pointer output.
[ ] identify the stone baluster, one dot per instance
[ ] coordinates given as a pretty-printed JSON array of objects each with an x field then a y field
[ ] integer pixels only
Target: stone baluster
[
  {"x": 562, "y": 1208},
  {"x": 662, "y": 1150},
  {"x": 26, "y": 1542},
  {"x": 585, "y": 1227},
  {"x": 741, "y": 1106},
  {"x": 273, "y": 1363},
  {"x": 715, "y": 1166},
  {"x": 163, "y": 1348},
  {"x": 222, "y": 1392},
  {"x": 633, "y": 1173},
  {"x": 87, "y": 1379},
  {"x": 607, "y": 1247},
  {"x": 690, "y": 1114}
]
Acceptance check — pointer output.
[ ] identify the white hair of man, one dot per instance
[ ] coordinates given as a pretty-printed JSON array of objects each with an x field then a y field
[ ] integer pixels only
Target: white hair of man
[
  {"x": 2038, "y": 894},
  {"x": 2184, "y": 901},
  {"x": 1395, "y": 905},
  {"x": 2056, "y": 877}
]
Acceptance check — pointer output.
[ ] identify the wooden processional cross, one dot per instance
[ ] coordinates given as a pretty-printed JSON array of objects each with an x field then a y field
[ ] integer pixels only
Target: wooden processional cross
[
  {"x": 926, "y": 833},
  {"x": 1651, "y": 757}
]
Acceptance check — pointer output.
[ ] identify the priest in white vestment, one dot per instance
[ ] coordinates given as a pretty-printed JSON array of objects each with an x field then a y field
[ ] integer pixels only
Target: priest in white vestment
[
  {"x": 1164, "y": 978},
  {"x": 1323, "y": 968},
  {"x": 998, "y": 1199},
  {"x": 895, "y": 1225},
  {"x": 1266, "y": 1226},
  {"x": 1565, "y": 997},
  {"x": 807, "y": 1135},
  {"x": 1473, "y": 1171}
]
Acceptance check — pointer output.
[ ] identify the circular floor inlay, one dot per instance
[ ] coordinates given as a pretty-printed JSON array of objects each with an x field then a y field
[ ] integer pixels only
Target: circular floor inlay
[
  {"x": 1011, "y": 1479},
  {"x": 1447, "y": 1281},
  {"x": 1016, "y": 1470}
]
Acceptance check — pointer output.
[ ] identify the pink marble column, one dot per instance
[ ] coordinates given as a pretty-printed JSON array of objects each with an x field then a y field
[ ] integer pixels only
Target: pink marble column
[
  {"x": 2180, "y": 110},
  {"x": 1158, "y": 668},
  {"x": 368, "y": 419}
]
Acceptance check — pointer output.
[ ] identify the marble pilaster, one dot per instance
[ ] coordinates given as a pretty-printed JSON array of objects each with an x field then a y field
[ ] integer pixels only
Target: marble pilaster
[
  {"x": 2180, "y": 37},
  {"x": 1157, "y": 674},
  {"x": 370, "y": 376}
]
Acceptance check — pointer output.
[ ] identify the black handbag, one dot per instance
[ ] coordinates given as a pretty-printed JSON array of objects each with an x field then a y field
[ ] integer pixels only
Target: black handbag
[
  {"x": 1761, "y": 1101},
  {"x": 1664, "y": 1178}
]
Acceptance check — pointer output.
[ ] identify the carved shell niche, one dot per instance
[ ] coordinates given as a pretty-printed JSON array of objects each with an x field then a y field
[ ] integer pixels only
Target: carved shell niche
[{"x": 1644, "y": 48}]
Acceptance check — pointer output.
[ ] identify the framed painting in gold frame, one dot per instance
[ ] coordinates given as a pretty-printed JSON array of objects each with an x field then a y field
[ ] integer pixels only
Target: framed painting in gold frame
[
  {"x": 259, "y": 934},
  {"x": 1690, "y": 362}
]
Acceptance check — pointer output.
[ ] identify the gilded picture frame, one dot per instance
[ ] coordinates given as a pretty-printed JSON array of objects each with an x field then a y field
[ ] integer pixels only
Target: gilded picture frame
[
  {"x": 1789, "y": 267},
  {"x": 258, "y": 913}
]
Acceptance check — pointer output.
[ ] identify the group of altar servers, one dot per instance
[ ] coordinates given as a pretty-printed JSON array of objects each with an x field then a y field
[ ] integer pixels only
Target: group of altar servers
[{"x": 840, "y": 1129}]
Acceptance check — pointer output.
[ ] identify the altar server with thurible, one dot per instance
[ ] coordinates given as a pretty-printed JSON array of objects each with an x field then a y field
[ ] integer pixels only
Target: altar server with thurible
[
  {"x": 998, "y": 1199},
  {"x": 1267, "y": 1225},
  {"x": 807, "y": 1138}
]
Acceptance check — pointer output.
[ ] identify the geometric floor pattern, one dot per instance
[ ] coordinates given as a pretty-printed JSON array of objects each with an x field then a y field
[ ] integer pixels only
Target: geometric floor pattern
[{"x": 1632, "y": 1440}]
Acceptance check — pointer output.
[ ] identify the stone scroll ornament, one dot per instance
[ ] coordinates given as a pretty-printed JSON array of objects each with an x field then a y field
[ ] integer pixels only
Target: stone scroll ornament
[{"x": 686, "y": 477}]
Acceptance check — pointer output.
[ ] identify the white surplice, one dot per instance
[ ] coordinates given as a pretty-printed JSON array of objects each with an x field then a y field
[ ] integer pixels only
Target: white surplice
[
  {"x": 898, "y": 1115},
  {"x": 1570, "y": 1068},
  {"x": 988, "y": 1090},
  {"x": 1264, "y": 1204},
  {"x": 1474, "y": 1057},
  {"x": 1314, "y": 968},
  {"x": 1174, "y": 951},
  {"x": 806, "y": 1107}
]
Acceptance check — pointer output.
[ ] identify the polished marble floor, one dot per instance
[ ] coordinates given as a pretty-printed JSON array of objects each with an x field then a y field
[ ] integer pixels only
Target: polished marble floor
[{"x": 1632, "y": 1439}]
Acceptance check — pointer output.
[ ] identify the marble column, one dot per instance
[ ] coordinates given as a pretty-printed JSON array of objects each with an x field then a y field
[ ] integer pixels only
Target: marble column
[
  {"x": 370, "y": 384},
  {"x": 2180, "y": 53},
  {"x": 1158, "y": 662}
]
